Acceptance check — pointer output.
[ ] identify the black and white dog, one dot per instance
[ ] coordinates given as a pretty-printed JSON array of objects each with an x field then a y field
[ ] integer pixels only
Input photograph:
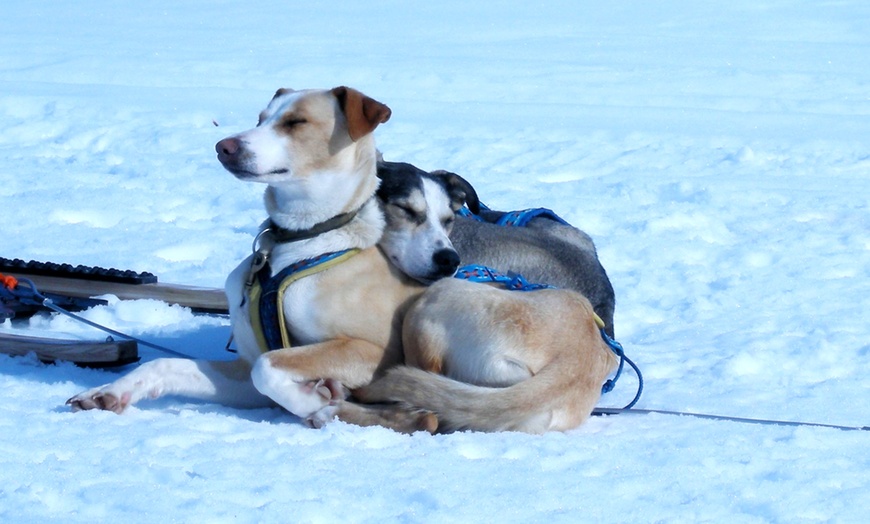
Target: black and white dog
[{"x": 544, "y": 251}]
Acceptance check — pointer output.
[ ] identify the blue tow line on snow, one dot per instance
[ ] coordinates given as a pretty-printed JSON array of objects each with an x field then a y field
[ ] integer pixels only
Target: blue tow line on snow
[{"x": 608, "y": 386}]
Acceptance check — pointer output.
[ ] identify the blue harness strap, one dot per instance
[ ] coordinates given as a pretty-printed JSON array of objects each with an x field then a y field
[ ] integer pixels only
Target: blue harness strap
[
  {"x": 465, "y": 212},
  {"x": 269, "y": 297},
  {"x": 522, "y": 218},
  {"x": 516, "y": 218}
]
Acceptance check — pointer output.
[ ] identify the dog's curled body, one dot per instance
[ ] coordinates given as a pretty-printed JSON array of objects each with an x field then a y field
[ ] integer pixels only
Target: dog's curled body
[
  {"x": 544, "y": 251},
  {"x": 505, "y": 360}
]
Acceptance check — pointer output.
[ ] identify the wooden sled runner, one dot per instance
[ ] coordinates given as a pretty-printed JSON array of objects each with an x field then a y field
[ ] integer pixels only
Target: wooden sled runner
[{"x": 107, "y": 353}]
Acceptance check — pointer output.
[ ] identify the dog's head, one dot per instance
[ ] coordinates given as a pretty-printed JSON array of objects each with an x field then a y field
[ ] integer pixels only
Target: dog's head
[
  {"x": 302, "y": 133},
  {"x": 420, "y": 208}
]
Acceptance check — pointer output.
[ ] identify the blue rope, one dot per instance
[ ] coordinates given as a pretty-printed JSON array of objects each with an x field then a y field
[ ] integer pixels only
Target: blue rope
[
  {"x": 515, "y": 218},
  {"x": 514, "y": 281},
  {"x": 465, "y": 212},
  {"x": 608, "y": 386}
]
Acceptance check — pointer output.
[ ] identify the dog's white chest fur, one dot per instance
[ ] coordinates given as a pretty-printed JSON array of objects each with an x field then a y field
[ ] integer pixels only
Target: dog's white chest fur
[{"x": 303, "y": 317}]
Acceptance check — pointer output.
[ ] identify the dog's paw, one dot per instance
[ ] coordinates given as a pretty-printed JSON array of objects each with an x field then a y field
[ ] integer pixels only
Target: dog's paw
[
  {"x": 427, "y": 422},
  {"x": 99, "y": 398},
  {"x": 409, "y": 420},
  {"x": 328, "y": 388},
  {"x": 331, "y": 392},
  {"x": 322, "y": 416},
  {"x": 302, "y": 396}
]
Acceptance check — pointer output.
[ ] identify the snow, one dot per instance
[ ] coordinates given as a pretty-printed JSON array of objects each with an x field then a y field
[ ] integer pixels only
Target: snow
[{"x": 717, "y": 153}]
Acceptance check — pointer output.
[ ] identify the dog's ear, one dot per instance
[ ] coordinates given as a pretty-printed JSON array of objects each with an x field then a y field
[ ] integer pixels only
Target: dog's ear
[
  {"x": 279, "y": 92},
  {"x": 363, "y": 114},
  {"x": 459, "y": 190},
  {"x": 282, "y": 91}
]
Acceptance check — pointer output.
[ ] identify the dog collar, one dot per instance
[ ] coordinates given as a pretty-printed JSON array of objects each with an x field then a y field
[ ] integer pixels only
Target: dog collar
[{"x": 283, "y": 235}]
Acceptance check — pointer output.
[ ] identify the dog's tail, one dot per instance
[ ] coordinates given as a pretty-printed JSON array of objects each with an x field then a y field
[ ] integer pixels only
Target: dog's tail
[{"x": 559, "y": 397}]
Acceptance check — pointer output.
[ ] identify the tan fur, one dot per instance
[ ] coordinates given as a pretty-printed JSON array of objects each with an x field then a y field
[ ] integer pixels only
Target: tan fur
[
  {"x": 511, "y": 360},
  {"x": 360, "y": 304},
  {"x": 362, "y": 113}
]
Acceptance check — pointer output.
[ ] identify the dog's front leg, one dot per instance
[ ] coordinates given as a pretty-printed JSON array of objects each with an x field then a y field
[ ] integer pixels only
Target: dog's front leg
[
  {"x": 305, "y": 379},
  {"x": 225, "y": 382}
]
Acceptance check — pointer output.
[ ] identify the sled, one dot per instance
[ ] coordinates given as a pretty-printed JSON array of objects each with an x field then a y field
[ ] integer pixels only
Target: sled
[
  {"x": 75, "y": 288},
  {"x": 86, "y": 282}
]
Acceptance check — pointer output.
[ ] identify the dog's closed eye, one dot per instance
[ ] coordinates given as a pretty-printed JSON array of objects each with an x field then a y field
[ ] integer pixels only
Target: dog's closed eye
[
  {"x": 411, "y": 214},
  {"x": 407, "y": 210},
  {"x": 290, "y": 123}
]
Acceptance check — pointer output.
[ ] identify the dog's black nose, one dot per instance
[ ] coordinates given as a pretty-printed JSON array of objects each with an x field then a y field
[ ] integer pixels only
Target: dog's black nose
[{"x": 446, "y": 261}]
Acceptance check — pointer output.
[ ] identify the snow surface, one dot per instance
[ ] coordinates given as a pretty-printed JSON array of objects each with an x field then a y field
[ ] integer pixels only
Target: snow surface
[{"x": 717, "y": 153}]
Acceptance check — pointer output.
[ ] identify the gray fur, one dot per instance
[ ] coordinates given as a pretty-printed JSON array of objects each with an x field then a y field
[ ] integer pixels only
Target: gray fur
[{"x": 541, "y": 256}]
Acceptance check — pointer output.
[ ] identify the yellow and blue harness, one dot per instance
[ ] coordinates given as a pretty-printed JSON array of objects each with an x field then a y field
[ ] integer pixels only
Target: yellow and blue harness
[{"x": 265, "y": 294}]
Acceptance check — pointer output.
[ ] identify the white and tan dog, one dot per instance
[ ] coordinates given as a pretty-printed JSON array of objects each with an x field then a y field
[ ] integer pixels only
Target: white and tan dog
[{"x": 315, "y": 151}]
